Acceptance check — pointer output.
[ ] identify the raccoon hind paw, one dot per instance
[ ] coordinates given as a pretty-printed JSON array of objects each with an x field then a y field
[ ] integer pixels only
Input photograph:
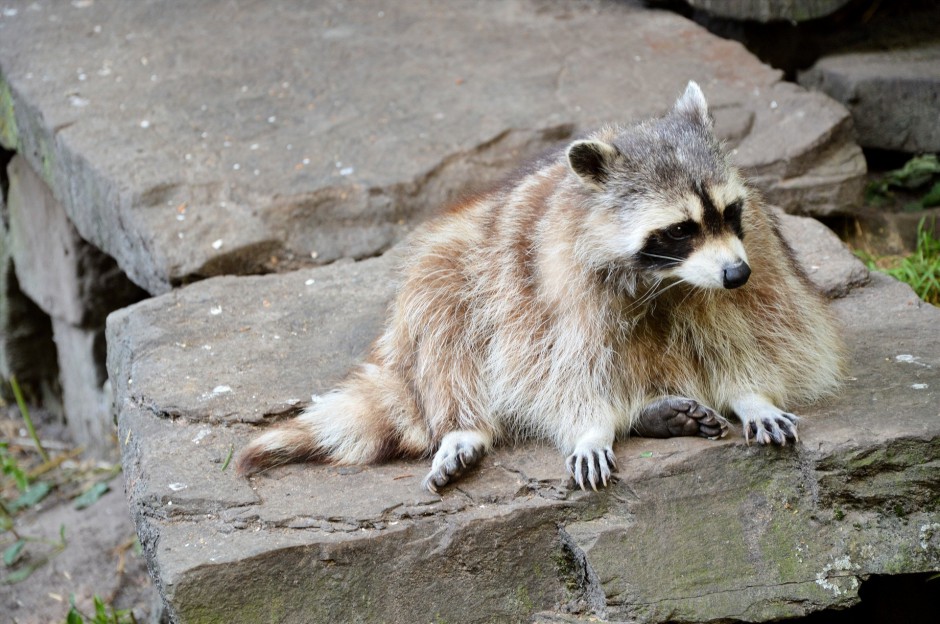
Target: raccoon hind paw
[{"x": 674, "y": 416}]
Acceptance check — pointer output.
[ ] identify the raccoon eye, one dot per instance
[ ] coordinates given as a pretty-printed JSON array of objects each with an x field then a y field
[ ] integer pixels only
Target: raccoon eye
[
  {"x": 733, "y": 210},
  {"x": 680, "y": 231}
]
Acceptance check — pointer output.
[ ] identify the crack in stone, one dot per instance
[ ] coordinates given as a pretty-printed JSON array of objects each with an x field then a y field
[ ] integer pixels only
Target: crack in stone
[{"x": 583, "y": 573}]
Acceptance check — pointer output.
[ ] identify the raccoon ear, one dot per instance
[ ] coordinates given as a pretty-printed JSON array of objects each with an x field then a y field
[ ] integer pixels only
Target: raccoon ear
[
  {"x": 693, "y": 104},
  {"x": 592, "y": 161}
]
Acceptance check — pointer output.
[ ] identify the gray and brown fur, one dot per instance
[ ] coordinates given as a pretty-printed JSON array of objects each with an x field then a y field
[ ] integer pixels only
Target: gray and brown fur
[{"x": 633, "y": 282}]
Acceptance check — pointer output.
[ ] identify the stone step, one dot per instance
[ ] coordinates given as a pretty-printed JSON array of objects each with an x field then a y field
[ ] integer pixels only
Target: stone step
[
  {"x": 188, "y": 140},
  {"x": 694, "y": 531}
]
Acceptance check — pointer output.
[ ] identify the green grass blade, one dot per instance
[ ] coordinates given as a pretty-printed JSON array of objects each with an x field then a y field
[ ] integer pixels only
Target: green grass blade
[{"x": 21, "y": 403}]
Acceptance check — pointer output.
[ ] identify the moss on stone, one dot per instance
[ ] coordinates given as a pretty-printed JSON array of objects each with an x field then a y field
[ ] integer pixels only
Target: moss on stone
[{"x": 9, "y": 136}]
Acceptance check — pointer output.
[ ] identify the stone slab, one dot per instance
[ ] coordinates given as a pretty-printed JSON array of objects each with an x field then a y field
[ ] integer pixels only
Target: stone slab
[
  {"x": 189, "y": 140},
  {"x": 891, "y": 89},
  {"x": 694, "y": 531},
  {"x": 68, "y": 278}
]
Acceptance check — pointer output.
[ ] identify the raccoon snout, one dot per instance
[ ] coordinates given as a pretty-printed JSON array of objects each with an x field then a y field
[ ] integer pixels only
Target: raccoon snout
[{"x": 735, "y": 275}]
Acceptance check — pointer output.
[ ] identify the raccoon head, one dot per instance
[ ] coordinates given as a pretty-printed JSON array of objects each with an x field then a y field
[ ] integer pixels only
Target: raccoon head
[{"x": 662, "y": 199}]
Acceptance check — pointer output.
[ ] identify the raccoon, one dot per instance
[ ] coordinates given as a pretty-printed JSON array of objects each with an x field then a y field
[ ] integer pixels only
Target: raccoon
[{"x": 632, "y": 283}]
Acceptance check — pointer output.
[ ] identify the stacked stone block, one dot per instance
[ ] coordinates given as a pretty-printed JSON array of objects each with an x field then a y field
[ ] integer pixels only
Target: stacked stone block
[{"x": 75, "y": 285}]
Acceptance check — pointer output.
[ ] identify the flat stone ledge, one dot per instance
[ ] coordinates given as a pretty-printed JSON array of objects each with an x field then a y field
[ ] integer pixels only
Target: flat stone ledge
[
  {"x": 765, "y": 533},
  {"x": 330, "y": 129},
  {"x": 893, "y": 95}
]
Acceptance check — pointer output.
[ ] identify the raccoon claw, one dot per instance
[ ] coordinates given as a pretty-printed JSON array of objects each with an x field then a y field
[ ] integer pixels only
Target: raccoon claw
[
  {"x": 678, "y": 416},
  {"x": 458, "y": 452},
  {"x": 592, "y": 467},
  {"x": 772, "y": 429}
]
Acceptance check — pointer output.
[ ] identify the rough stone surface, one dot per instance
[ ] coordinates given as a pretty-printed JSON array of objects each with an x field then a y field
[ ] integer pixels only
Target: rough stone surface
[
  {"x": 76, "y": 286},
  {"x": 893, "y": 94},
  {"x": 68, "y": 278},
  {"x": 329, "y": 129},
  {"x": 26, "y": 348},
  {"x": 833, "y": 269},
  {"x": 769, "y": 10},
  {"x": 694, "y": 531}
]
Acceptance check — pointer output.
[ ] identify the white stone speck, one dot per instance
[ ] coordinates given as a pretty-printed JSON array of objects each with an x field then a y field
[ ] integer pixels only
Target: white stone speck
[
  {"x": 314, "y": 254},
  {"x": 919, "y": 386},
  {"x": 202, "y": 434},
  {"x": 153, "y": 78},
  {"x": 10, "y": 12},
  {"x": 176, "y": 487},
  {"x": 272, "y": 119},
  {"x": 215, "y": 310},
  {"x": 180, "y": 217},
  {"x": 910, "y": 359},
  {"x": 306, "y": 161},
  {"x": 145, "y": 123},
  {"x": 236, "y": 166},
  {"x": 253, "y": 146},
  {"x": 78, "y": 101},
  {"x": 217, "y": 244},
  {"x": 309, "y": 282},
  {"x": 221, "y": 389},
  {"x": 773, "y": 104},
  {"x": 345, "y": 171},
  {"x": 257, "y": 172}
]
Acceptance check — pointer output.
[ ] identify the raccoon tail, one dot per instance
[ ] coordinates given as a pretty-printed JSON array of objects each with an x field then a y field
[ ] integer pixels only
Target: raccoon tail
[{"x": 370, "y": 418}]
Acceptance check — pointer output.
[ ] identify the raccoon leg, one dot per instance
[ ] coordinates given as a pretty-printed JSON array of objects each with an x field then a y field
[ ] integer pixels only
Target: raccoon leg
[
  {"x": 593, "y": 460},
  {"x": 765, "y": 422},
  {"x": 459, "y": 450},
  {"x": 673, "y": 416}
]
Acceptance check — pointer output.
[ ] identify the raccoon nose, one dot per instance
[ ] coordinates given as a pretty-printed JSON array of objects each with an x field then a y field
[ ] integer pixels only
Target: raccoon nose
[{"x": 736, "y": 275}]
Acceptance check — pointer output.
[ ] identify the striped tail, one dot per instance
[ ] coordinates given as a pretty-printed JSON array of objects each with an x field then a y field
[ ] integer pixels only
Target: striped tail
[{"x": 370, "y": 418}]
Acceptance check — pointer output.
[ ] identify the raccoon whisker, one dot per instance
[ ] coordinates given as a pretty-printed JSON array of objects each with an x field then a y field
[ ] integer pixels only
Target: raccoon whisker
[
  {"x": 653, "y": 293},
  {"x": 670, "y": 258}
]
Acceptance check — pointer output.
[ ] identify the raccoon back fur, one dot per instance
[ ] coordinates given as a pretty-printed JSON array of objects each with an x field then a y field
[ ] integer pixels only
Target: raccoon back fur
[{"x": 632, "y": 283}]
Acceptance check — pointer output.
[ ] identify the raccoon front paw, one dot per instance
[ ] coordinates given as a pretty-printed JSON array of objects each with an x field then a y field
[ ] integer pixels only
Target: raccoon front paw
[
  {"x": 674, "y": 416},
  {"x": 772, "y": 429},
  {"x": 591, "y": 466},
  {"x": 459, "y": 451}
]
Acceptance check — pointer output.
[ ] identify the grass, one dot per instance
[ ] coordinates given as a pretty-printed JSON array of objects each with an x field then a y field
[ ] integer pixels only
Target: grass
[
  {"x": 104, "y": 614},
  {"x": 920, "y": 270},
  {"x": 23, "y": 464}
]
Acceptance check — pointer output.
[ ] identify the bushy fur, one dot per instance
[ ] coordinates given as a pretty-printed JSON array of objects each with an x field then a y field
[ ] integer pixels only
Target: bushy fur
[{"x": 540, "y": 310}]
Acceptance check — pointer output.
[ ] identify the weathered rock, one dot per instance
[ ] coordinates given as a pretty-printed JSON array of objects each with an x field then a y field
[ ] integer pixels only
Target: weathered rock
[
  {"x": 833, "y": 269},
  {"x": 77, "y": 286},
  {"x": 694, "y": 531},
  {"x": 893, "y": 94},
  {"x": 328, "y": 130},
  {"x": 26, "y": 348},
  {"x": 68, "y": 278},
  {"x": 770, "y": 10}
]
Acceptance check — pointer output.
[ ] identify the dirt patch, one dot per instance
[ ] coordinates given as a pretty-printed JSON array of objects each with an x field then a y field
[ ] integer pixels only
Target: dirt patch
[{"x": 100, "y": 556}]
